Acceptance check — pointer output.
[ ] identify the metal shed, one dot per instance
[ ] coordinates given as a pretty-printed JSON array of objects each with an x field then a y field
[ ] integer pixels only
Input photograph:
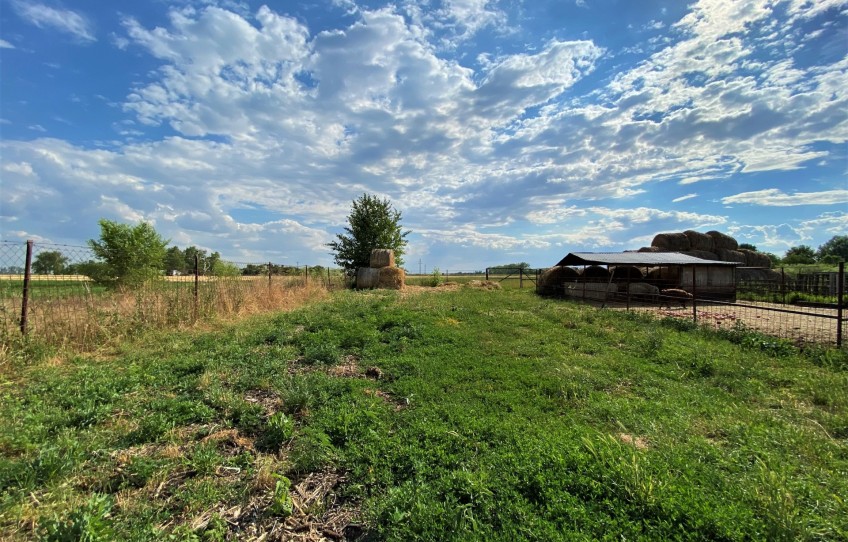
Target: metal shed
[{"x": 711, "y": 279}]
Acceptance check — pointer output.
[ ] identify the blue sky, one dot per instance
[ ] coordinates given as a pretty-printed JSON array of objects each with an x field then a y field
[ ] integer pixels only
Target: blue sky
[{"x": 502, "y": 130}]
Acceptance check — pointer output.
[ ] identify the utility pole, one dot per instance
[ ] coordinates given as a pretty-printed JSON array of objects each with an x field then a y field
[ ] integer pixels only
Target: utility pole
[{"x": 419, "y": 266}]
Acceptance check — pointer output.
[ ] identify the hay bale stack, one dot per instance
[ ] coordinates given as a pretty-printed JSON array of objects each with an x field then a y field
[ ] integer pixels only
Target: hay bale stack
[
  {"x": 726, "y": 255},
  {"x": 552, "y": 279},
  {"x": 699, "y": 241},
  {"x": 722, "y": 241},
  {"x": 674, "y": 242},
  {"x": 703, "y": 254},
  {"x": 626, "y": 273},
  {"x": 755, "y": 259},
  {"x": 651, "y": 249},
  {"x": 391, "y": 278},
  {"x": 382, "y": 257},
  {"x": 367, "y": 277},
  {"x": 595, "y": 273}
]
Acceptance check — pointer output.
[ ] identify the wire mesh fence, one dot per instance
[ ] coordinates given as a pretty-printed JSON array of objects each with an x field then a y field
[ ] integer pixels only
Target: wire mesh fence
[
  {"x": 801, "y": 307},
  {"x": 62, "y": 294}
]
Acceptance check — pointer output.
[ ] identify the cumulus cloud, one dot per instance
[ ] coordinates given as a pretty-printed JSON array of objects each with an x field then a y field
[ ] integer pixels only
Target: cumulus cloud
[
  {"x": 269, "y": 114},
  {"x": 773, "y": 197},
  {"x": 63, "y": 20}
]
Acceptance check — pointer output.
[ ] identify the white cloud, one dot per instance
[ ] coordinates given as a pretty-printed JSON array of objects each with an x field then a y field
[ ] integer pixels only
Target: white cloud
[
  {"x": 773, "y": 197},
  {"x": 5, "y": 44},
  {"x": 64, "y": 20},
  {"x": 684, "y": 198}
]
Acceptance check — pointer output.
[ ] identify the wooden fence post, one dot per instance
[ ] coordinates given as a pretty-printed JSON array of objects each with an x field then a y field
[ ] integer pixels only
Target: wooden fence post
[{"x": 27, "y": 278}]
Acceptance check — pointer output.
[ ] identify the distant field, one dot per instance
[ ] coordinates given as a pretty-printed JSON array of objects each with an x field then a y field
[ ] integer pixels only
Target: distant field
[{"x": 432, "y": 414}]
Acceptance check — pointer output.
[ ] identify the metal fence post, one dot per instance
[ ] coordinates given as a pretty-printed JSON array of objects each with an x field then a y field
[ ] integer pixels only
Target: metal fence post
[
  {"x": 521, "y": 277},
  {"x": 27, "y": 277},
  {"x": 487, "y": 273},
  {"x": 694, "y": 294},
  {"x": 840, "y": 293},
  {"x": 196, "y": 284},
  {"x": 306, "y": 275}
]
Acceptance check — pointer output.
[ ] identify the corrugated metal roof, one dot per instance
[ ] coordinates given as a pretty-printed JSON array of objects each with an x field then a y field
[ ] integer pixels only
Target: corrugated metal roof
[{"x": 636, "y": 258}]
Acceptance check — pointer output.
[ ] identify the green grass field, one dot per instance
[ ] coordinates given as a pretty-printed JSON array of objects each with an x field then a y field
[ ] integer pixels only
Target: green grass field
[{"x": 464, "y": 415}]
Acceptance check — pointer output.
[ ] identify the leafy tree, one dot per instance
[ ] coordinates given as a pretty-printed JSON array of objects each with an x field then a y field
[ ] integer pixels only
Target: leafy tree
[
  {"x": 175, "y": 261},
  {"x": 252, "y": 269},
  {"x": 225, "y": 269},
  {"x": 188, "y": 256},
  {"x": 747, "y": 246},
  {"x": 801, "y": 254},
  {"x": 51, "y": 262},
  {"x": 133, "y": 254},
  {"x": 836, "y": 246},
  {"x": 373, "y": 223}
]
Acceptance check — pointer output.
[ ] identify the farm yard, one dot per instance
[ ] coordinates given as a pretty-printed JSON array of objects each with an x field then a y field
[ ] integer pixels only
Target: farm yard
[{"x": 464, "y": 412}]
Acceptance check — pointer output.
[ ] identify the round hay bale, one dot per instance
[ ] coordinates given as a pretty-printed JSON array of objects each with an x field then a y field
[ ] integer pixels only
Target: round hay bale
[
  {"x": 675, "y": 242},
  {"x": 366, "y": 277},
  {"x": 755, "y": 259},
  {"x": 722, "y": 241},
  {"x": 699, "y": 241},
  {"x": 726, "y": 255},
  {"x": 595, "y": 273},
  {"x": 391, "y": 278},
  {"x": 554, "y": 277},
  {"x": 626, "y": 273},
  {"x": 382, "y": 257},
  {"x": 664, "y": 276},
  {"x": 651, "y": 249},
  {"x": 703, "y": 254},
  {"x": 643, "y": 290}
]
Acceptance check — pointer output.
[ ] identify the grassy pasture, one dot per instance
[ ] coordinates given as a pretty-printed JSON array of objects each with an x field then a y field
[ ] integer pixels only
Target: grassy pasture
[{"x": 443, "y": 415}]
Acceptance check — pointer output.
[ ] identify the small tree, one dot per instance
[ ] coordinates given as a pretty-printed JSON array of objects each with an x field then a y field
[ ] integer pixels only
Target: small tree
[
  {"x": 175, "y": 261},
  {"x": 51, "y": 262},
  {"x": 373, "y": 223},
  {"x": 133, "y": 254},
  {"x": 748, "y": 246},
  {"x": 802, "y": 254}
]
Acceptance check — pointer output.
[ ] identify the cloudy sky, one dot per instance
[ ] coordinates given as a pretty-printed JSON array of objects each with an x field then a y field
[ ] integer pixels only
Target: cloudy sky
[{"x": 503, "y": 130}]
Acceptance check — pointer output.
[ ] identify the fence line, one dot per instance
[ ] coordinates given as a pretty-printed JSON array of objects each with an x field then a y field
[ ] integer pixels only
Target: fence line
[
  {"x": 817, "y": 322},
  {"x": 48, "y": 292}
]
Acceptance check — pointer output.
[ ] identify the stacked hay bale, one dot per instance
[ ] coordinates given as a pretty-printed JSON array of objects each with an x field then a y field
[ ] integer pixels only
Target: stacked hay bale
[
  {"x": 551, "y": 280},
  {"x": 381, "y": 272},
  {"x": 712, "y": 245}
]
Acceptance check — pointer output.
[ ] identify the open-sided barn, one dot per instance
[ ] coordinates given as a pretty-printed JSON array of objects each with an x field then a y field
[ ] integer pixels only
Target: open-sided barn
[{"x": 711, "y": 279}]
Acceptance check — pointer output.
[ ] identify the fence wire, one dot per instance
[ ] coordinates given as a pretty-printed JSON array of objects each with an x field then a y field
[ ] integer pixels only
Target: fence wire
[
  {"x": 64, "y": 304},
  {"x": 803, "y": 308}
]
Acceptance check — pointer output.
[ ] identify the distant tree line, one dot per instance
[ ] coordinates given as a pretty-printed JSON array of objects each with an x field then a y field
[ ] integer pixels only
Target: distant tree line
[{"x": 127, "y": 255}]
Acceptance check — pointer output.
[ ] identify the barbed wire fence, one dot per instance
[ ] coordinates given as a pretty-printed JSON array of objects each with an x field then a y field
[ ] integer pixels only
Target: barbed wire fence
[{"x": 60, "y": 295}]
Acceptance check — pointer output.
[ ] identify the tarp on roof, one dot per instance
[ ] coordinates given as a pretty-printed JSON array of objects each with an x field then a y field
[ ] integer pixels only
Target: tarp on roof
[{"x": 637, "y": 258}]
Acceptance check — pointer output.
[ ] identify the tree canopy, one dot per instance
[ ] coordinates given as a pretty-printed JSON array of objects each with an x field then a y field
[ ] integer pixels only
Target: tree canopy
[
  {"x": 50, "y": 262},
  {"x": 800, "y": 255},
  {"x": 373, "y": 223},
  {"x": 132, "y": 254},
  {"x": 836, "y": 249}
]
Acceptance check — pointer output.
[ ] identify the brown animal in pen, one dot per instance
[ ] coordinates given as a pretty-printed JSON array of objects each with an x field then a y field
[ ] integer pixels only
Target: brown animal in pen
[{"x": 671, "y": 295}]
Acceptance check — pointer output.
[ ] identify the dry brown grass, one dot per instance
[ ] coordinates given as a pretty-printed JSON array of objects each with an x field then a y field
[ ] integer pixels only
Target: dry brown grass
[{"x": 93, "y": 321}]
